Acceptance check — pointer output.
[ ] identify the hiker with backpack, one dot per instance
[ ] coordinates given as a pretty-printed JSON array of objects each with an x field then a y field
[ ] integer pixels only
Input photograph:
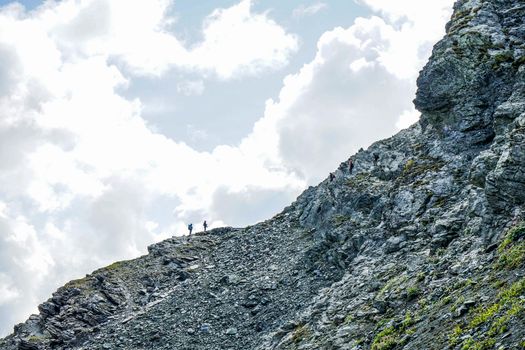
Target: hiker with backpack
[
  {"x": 190, "y": 228},
  {"x": 205, "y": 225}
]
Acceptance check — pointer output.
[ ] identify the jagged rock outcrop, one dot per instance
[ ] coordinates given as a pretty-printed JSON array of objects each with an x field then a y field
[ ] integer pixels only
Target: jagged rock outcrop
[{"x": 421, "y": 247}]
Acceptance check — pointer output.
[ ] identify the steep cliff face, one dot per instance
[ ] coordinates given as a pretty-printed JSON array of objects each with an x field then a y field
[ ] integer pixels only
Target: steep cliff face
[{"x": 421, "y": 247}]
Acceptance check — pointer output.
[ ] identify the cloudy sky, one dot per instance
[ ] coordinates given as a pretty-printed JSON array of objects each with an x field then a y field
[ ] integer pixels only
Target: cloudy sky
[{"x": 122, "y": 121}]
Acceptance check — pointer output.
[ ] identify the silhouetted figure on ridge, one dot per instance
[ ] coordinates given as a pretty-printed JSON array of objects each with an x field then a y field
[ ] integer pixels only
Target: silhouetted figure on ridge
[
  {"x": 205, "y": 225},
  {"x": 190, "y": 228},
  {"x": 350, "y": 165}
]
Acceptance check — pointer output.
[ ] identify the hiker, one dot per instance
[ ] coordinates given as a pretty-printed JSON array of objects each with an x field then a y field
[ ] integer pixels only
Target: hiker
[
  {"x": 205, "y": 225},
  {"x": 350, "y": 165},
  {"x": 332, "y": 177},
  {"x": 190, "y": 228}
]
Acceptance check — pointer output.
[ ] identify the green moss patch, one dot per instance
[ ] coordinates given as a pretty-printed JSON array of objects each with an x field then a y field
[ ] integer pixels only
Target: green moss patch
[
  {"x": 415, "y": 168},
  {"x": 493, "y": 319},
  {"x": 300, "y": 333},
  {"x": 513, "y": 235},
  {"x": 512, "y": 248},
  {"x": 339, "y": 220},
  {"x": 394, "y": 335}
]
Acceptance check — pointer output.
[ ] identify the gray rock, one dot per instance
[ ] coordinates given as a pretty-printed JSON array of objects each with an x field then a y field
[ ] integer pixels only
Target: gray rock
[
  {"x": 392, "y": 248},
  {"x": 393, "y": 244},
  {"x": 231, "y": 331}
]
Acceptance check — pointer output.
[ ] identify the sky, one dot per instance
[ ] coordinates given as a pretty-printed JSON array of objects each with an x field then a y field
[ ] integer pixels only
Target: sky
[{"x": 123, "y": 121}]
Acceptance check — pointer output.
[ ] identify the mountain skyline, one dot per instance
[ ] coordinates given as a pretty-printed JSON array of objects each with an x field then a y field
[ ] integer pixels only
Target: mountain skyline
[{"x": 122, "y": 122}]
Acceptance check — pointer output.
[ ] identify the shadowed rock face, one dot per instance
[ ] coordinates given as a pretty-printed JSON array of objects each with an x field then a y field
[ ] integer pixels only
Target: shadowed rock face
[
  {"x": 473, "y": 69},
  {"x": 473, "y": 86},
  {"x": 421, "y": 247}
]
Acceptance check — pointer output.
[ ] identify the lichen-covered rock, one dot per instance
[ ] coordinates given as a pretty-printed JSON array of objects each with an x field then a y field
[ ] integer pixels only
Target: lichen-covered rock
[{"x": 472, "y": 70}]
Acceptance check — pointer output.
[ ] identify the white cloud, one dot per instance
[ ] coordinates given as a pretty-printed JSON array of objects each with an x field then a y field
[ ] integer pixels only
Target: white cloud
[
  {"x": 7, "y": 291},
  {"x": 25, "y": 263},
  {"x": 236, "y": 40},
  {"x": 196, "y": 134},
  {"x": 248, "y": 205},
  {"x": 359, "y": 64},
  {"x": 407, "y": 118},
  {"x": 432, "y": 13},
  {"x": 191, "y": 87},
  {"x": 303, "y": 10},
  {"x": 419, "y": 24}
]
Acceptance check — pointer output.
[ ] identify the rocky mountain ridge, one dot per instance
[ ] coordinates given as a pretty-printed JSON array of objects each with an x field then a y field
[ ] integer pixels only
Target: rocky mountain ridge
[{"x": 421, "y": 247}]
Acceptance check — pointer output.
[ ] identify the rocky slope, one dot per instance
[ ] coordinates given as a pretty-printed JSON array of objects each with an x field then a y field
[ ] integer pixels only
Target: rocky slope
[{"x": 422, "y": 247}]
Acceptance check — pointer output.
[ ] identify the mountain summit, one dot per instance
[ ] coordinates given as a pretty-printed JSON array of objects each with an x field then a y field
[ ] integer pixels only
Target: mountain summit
[{"x": 422, "y": 246}]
